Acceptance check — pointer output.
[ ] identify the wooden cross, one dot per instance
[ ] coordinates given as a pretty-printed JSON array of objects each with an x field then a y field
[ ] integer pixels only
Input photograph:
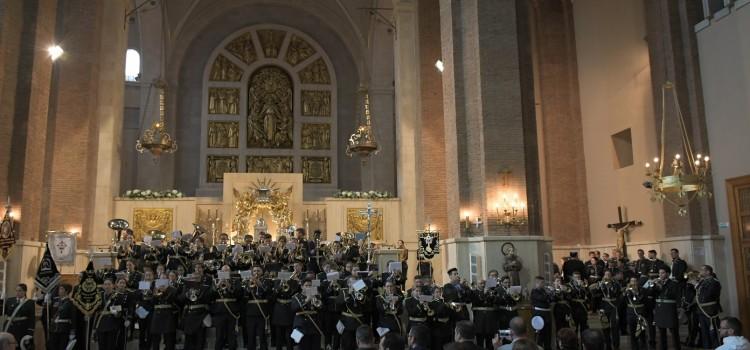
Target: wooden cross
[{"x": 623, "y": 227}]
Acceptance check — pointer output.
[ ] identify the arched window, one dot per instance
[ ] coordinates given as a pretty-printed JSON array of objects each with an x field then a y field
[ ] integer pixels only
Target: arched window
[{"x": 132, "y": 65}]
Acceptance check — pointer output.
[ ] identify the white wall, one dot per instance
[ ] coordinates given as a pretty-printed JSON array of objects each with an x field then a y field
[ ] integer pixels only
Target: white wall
[
  {"x": 615, "y": 91},
  {"x": 724, "y": 51}
]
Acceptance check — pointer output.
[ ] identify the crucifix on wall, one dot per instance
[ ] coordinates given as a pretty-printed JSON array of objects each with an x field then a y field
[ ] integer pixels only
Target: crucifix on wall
[{"x": 622, "y": 228}]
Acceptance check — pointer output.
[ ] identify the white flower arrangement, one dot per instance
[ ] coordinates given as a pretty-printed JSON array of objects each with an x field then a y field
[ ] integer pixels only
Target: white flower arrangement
[
  {"x": 150, "y": 194},
  {"x": 363, "y": 194}
]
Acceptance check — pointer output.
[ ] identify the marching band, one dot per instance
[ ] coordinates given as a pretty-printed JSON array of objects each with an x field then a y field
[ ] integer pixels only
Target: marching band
[{"x": 302, "y": 292}]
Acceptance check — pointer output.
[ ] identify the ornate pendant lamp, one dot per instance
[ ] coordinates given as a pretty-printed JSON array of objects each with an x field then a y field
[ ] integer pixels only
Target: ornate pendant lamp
[
  {"x": 362, "y": 141},
  {"x": 690, "y": 174},
  {"x": 155, "y": 139}
]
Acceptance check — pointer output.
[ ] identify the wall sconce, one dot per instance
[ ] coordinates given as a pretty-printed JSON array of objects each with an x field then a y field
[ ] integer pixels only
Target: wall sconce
[{"x": 511, "y": 213}]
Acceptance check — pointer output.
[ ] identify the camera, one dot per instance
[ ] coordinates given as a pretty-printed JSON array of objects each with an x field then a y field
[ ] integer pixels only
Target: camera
[{"x": 504, "y": 333}]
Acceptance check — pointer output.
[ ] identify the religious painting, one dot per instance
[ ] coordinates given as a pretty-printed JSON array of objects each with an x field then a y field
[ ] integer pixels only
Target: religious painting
[
  {"x": 270, "y": 41},
  {"x": 218, "y": 165},
  {"x": 223, "y": 134},
  {"x": 223, "y": 101},
  {"x": 316, "y": 136},
  {"x": 224, "y": 70},
  {"x": 356, "y": 222},
  {"x": 315, "y": 73},
  {"x": 266, "y": 164},
  {"x": 151, "y": 219},
  {"x": 270, "y": 122},
  {"x": 298, "y": 51},
  {"x": 243, "y": 48},
  {"x": 316, "y": 170},
  {"x": 316, "y": 103}
]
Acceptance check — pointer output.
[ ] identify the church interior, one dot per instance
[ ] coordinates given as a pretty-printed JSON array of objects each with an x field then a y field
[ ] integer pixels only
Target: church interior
[{"x": 477, "y": 135}]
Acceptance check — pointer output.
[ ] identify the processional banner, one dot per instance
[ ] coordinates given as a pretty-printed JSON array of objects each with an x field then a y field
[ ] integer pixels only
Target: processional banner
[{"x": 62, "y": 246}]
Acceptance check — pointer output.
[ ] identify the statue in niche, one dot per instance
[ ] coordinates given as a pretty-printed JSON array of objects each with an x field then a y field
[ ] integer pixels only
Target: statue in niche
[{"x": 270, "y": 121}]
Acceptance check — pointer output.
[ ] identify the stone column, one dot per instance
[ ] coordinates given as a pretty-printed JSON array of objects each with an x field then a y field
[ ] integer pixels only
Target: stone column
[
  {"x": 488, "y": 126},
  {"x": 408, "y": 127}
]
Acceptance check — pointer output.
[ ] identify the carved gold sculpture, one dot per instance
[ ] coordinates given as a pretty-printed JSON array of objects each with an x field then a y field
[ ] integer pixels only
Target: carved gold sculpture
[
  {"x": 298, "y": 51},
  {"x": 356, "y": 222},
  {"x": 223, "y": 134},
  {"x": 223, "y": 101},
  {"x": 224, "y": 70},
  {"x": 262, "y": 196},
  {"x": 270, "y": 122},
  {"x": 270, "y": 41},
  {"x": 218, "y": 165},
  {"x": 316, "y": 170},
  {"x": 243, "y": 48},
  {"x": 316, "y": 136},
  {"x": 265, "y": 164},
  {"x": 315, "y": 73},
  {"x": 316, "y": 103},
  {"x": 147, "y": 219}
]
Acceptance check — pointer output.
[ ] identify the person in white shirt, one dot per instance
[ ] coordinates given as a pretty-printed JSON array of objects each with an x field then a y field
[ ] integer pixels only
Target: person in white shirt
[
  {"x": 517, "y": 331},
  {"x": 730, "y": 332}
]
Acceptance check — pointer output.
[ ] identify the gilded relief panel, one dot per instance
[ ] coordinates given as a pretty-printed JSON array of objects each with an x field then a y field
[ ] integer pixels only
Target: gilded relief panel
[
  {"x": 316, "y": 103},
  {"x": 218, "y": 165},
  {"x": 270, "y": 41},
  {"x": 356, "y": 221},
  {"x": 298, "y": 51},
  {"x": 223, "y": 101},
  {"x": 270, "y": 122},
  {"x": 224, "y": 70},
  {"x": 261, "y": 164},
  {"x": 316, "y": 170},
  {"x": 147, "y": 219},
  {"x": 315, "y": 73},
  {"x": 223, "y": 134},
  {"x": 316, "y": 136},
  {"x": 242, "y": 47}
]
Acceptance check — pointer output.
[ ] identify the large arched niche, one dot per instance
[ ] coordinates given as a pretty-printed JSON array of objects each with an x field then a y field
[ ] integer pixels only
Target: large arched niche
[{"x": 192, "y": 51}]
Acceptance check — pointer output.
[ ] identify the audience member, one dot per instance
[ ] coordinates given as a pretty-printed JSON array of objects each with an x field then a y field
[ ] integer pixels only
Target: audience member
[
  {"x": 464, "y": 337},
  {"x": 592, "y": 339},
  {"x": 392, "y": 341},
  {"x": 730, "y": 333},
  {"x": 7, "y": 341},
  {"x": 517, "y": 331},
  {"x": 525, "y": 344},
  {"x": 419, "y": 337},
  {"x": 567, "y": 339},
  {"x": 364, "y": 337}
]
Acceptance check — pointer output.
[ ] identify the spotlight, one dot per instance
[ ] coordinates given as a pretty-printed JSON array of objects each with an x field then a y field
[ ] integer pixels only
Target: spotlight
[
  {"x": 439, "y": 65},
  {"x": 55, "y": 51}
]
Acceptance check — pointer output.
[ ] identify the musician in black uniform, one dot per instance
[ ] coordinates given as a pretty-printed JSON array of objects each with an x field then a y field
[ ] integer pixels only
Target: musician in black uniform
[
  {"x": 665, "y": 313},
  {"x": 572, "y": 265},
  {"x": 128, "y": 311},
  {"x": 282, "y": 317},
  {"x": 163, "y": 323},
  {"x": 541, "y": 303},
  {"x": 331, "y": 290},
  {"x": 578, "y": 301},
  {"x": 690, "y": 305},
  {"x": 486, "y": 314},
  {"x": 390, "y": 307},
  {"x": 21, "y": 315},
  {"x": 144, "y": 310},
  {"x": 610, "y": 291},
  {"x": 62, "y": 326},
  {"x": 354, "y": 312},
  {"x": 707, "y": 295},
  {"x": 654, "y": 265},
  {"x": 506, "y": 302},
  {"x": 635, "y": 297},
  {"x": 641, "y": 264},
  {"x": 259, "y": 296},
  {"x": 562, "y": 309},
  {"x": 416, "y": 310},
  {"x": 457, "y": 294},
  {"x": 679, "y": 268},
  {"x": 225, "y": 312},
  {"x": 195, "y": 300},
  {"x": 439, "y": 316},
  {"x": 132, "y": 275},
  {"x": 306, "y": 305},
  {"x": 109, "y": 322},
  {"x": 594, "y": 273}
]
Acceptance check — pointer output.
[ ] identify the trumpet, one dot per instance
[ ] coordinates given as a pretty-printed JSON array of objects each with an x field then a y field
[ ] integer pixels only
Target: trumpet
[
  {"x": 245, "y": 258},
  {"x": 316, "y": 302},
  {"x": 284, "y": 286},
  {"x": 359, "y": 296},
  {"x": 455, "y": 306}
]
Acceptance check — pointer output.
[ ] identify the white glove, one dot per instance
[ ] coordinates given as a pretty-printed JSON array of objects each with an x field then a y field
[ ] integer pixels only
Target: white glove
[{"x": 127, "y": 323}]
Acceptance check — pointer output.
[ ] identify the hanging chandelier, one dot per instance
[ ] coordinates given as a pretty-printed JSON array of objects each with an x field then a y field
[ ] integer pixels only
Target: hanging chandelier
[
  {"x": 686, "y": 177},
  {"x": 155, "y": 139},
  {"x": 362, "y": 141}
]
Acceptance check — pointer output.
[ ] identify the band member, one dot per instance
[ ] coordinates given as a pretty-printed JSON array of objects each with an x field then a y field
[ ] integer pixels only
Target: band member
[
  {"x": 641, "y": 264},
  {"x": 541, "y": 302},
  {"x": 355, "y": 304},
  {"x": 163, "y": 323},
  {"x": 610, "y": 291},
  {"x": 457, "y": 294},
  {"x": 484, "y": 306},
  {"x": 665, "y": 313},
  {"x": 562, "y": 309},
  {"x": 331, "y": 290},
  {"x": 690, "y": 305},
  {"x": 637, "y": 324},
  {"x": 654, "y": 264},
  {"x": 110, "y": 320},
  {"x": 306, "y": 304},
  {"x": 63, "y": 323},
  {"x": 507, "y": 301},
  {"x": 195, "y": 300},
  {"x": 259, "y": 294},
  {"x": 572, "y": 265},
  {"x": 679, "y": 267},
  {"x": 132, "y": 275},
  {"x": 390, "y": 308},
  {"x": 21, "y": 315},
  {"x": 403, "y": 256},
  {"x": 225, "y": 312},
  {"x": 144, "y": 310},
  {"x": 416, "y": 308},
  {"x": 578, "y": 297},
  {"x": 282, "y": 318},
  {"x": 439, "y": 316},
  {"x": 707, "y": 295}
]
